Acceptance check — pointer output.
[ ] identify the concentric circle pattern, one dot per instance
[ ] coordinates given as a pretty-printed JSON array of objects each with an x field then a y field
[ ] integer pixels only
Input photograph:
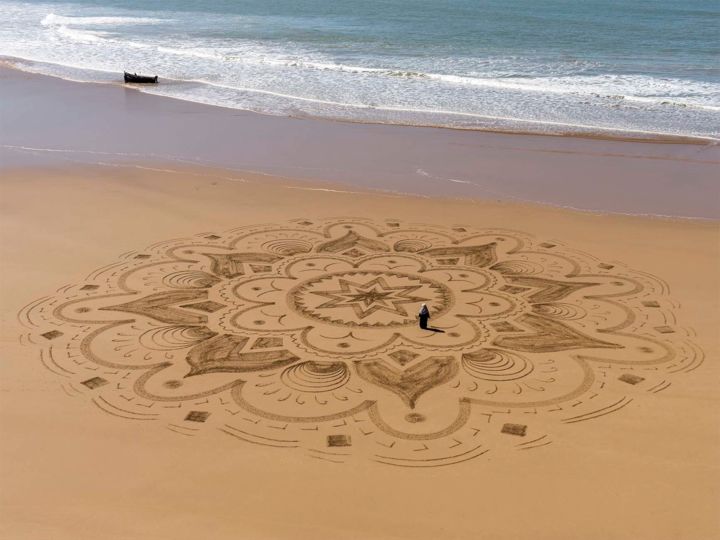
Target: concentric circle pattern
[
  {"x": 304, "y": 335},
  {"x": 496, "y": 365},
  {"x": 316, "y": 377}
]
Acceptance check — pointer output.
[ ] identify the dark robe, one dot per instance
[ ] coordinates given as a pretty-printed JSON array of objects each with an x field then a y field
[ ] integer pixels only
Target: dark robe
[{"x": 424, "y": 315}]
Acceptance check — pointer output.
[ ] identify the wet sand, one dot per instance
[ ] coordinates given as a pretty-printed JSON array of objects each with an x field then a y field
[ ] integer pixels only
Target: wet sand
[
  {"x": 48, "y": 121},
  {"x": 72, "y": 469}
]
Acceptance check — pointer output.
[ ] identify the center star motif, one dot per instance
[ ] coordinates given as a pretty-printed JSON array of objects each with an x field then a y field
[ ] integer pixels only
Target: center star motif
[{"x": 367, "y": 298}]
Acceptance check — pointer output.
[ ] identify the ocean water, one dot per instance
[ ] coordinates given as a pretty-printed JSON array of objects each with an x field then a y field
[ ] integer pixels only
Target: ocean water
[{"x": 561, "y": 66}]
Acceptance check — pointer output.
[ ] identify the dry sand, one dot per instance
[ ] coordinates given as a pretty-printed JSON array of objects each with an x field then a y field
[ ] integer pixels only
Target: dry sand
[{"x": 644, "y": 465}]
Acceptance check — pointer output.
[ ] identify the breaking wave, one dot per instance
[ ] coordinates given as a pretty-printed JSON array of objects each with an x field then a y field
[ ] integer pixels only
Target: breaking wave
[
  {"x": 228, "y": 59},
  {"x": 51, "y": 19}
]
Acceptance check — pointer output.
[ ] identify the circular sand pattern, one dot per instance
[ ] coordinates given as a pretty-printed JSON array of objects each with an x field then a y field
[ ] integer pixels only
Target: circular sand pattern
[
  {"x": 316, "y": 376},
  {"x": 303, "y": 335},
  {"x": 189, "y": 279},
  {"x": 494, "y": 365},
  {"x": 368, "y": 299},
  {"x": 167, "y": 338}
]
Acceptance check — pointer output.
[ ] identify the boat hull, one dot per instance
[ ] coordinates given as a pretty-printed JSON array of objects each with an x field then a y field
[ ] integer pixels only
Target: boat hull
[{"x": 142, "y": 79}]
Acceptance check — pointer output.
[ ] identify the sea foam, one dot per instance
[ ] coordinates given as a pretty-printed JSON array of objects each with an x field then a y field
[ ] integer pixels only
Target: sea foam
[{"x": 476, "y": 66}]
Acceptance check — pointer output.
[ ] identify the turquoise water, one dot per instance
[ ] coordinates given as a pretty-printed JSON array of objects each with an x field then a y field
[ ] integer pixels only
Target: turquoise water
[{"x": 550, "y": 66}]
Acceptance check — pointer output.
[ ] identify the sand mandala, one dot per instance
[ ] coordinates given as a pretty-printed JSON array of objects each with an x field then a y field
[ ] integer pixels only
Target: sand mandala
[{"x": 304, "y": 336}]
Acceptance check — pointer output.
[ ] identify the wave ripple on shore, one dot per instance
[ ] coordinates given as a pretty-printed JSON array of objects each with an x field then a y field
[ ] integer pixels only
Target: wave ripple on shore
[{"x": 557, "y": 69}]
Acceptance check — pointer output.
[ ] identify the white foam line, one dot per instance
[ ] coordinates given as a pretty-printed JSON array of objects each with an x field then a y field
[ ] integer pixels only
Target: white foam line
[
  {"x": 655, "y": 101},
  {"x": 194, "y": 161},
  {"x": 384, "y": 192},
  {"x": 324, "y": 189},
  {"x": 68, "y": 151},
  {"x": 276, "y": 94},
  {"x": 99, "y": 153},
  {"x": 426, "y": 174},
  {"x": 589, "y": 127},
  {"x": 491, "y": 82},
  {"x": 393, "y": 193},
  {"x": 21, "y": 66},
  {"x": 51, "y": 19},
  {"x": 176, "y": 171},
  {"x": 491, "y": 192},
  {"x": 124, "y": 164}
]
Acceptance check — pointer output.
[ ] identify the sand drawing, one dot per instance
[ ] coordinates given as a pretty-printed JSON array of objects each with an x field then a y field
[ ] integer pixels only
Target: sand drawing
[{"x": 303, "y": 335}]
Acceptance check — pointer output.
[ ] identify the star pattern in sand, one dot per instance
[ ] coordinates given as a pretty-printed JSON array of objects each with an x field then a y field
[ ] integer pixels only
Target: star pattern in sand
[{"x": 367, "y": 298}]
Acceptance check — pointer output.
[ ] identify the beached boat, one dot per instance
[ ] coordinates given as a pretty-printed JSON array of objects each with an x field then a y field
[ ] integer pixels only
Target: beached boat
[{"x": 135, "y": 78}]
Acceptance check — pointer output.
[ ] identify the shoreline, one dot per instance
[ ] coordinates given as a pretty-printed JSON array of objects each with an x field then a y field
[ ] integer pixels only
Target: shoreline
[
  {"x": 581, "y": 131},
  {"x": 290, "y": 183},
  {"x": 125, "y": 126}
]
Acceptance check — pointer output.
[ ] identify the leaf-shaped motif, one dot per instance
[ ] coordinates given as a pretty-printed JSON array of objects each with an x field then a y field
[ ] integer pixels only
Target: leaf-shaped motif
[
  {"x": 225, "y": 354},
  {"x": 413, "y": 382}
]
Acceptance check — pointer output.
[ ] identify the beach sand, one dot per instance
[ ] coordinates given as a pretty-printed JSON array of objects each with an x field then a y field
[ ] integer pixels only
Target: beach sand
[
  {"x": 57, "y": 122},
  {"x": 643, "y": 465},
  {"x": 71, "y": 471}
]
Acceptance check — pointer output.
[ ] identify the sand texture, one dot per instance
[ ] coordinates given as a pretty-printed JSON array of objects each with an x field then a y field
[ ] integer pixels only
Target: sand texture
[
  {"x": 190, "y": 356},
  {"x": 54, "y": 122}
]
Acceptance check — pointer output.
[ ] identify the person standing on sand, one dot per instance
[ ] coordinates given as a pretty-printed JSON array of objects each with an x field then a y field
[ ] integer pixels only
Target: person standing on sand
[{"x": 423, "y": 316}]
